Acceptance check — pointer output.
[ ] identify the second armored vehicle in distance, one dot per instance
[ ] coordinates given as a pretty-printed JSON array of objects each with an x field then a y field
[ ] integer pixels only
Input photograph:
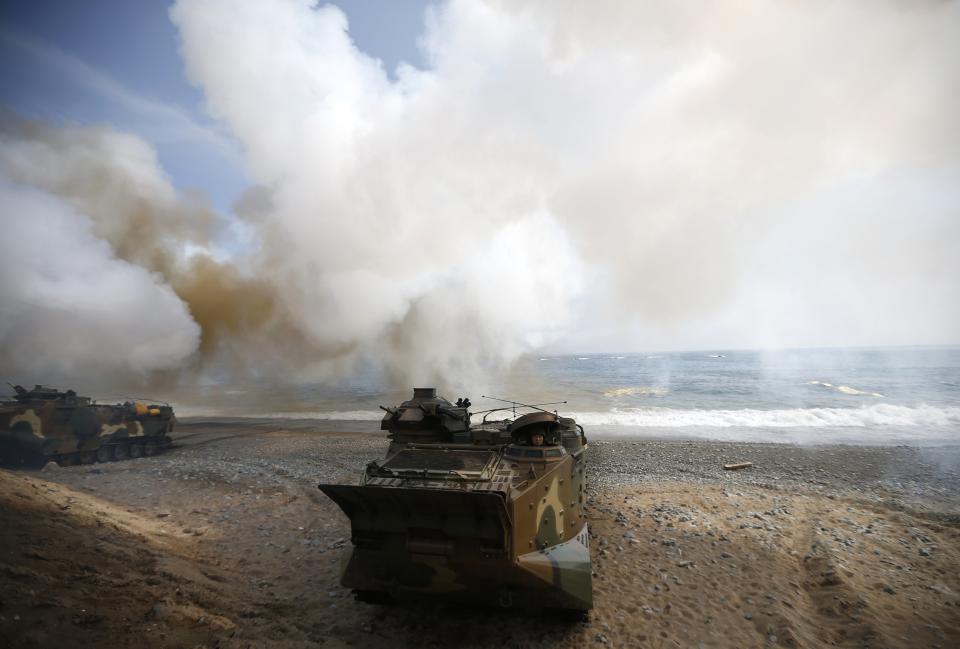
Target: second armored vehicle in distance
[
  {"x": 492, "y": 512},
  {"x": 45, "y": 424}
]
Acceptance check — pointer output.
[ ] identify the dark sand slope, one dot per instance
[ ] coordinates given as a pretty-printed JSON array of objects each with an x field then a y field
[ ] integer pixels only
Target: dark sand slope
[
  {"x": 226, "y": 542},
  {"x": 77, "y": 570}
]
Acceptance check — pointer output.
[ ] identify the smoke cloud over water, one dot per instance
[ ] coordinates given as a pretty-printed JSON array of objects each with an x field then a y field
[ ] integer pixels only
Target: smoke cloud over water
[{"x": 645, "y": 176}]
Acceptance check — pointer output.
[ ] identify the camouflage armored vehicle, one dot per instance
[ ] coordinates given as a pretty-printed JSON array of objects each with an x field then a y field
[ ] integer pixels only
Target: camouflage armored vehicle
[
  {"x": 47, "y": 424},
  {"x": 490, "y": 513}
]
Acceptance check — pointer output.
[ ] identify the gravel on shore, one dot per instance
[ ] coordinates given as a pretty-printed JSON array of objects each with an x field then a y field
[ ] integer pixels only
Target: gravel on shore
[{"x": 226, "y": 541}]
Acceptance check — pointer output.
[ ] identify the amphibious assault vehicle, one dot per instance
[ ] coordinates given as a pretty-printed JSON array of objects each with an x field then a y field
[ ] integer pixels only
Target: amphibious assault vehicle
[
  {"x": 490, "y": 512},
  {"x": 47, "y": 424}
]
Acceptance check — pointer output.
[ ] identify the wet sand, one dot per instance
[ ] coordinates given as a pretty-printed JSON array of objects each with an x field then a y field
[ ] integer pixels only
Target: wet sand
[{"x": 225, "y": 541}]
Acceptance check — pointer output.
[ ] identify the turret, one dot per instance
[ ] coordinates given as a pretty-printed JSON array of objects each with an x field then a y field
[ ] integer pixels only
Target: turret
[
  {"x": 41, "y": 393},
  {"x": 426, "y": 418}
]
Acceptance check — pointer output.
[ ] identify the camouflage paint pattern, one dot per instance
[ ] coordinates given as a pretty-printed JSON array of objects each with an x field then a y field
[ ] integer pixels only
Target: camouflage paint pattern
[
  {"x": 61, "y": 426},
  {"x": 474, "y": 512}
]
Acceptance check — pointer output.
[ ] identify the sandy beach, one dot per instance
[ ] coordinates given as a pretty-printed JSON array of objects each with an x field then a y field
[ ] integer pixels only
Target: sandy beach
[{"x": 225, "y": 541}]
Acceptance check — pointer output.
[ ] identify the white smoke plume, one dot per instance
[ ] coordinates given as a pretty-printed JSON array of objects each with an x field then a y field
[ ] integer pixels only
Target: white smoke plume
[
  {"x": 758, "y": 166},
  {"x": 115, "y": 181},
  {"x": 70, "y": 309},
  {"x": 628, "y": 175},
  {"x": 109, "y": 277}
]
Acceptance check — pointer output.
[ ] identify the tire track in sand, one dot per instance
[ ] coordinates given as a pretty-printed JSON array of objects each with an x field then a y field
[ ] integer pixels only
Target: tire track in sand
[{"x": 838, "y": 614}]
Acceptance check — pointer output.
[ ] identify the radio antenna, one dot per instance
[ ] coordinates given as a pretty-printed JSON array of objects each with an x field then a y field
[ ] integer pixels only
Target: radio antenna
[{"x": 536, "y": 406}]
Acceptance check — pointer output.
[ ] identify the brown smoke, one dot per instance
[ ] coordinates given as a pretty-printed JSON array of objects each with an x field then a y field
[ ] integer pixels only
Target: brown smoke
[
  {"x": 117, "y": 189},
  {"x": 116, "y": 181},
  {"x": 115, "y": 185},
  {"x": 224, "y": 303}
]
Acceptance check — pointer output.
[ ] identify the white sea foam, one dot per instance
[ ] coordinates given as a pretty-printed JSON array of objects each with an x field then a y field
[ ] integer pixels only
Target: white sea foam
[
  {"x": 877, "y": 415},
  {"x": 638, "y": 391},
  {"x": 846, "y": 389},
  {"x": 872, "y": 416},
  {"x": 873, "y": 424}
]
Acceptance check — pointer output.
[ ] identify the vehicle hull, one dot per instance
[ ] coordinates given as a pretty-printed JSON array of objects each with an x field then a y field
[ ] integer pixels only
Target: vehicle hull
[
  {"x": 68, "y": 431},
  {"x": 456, "y": 543}
]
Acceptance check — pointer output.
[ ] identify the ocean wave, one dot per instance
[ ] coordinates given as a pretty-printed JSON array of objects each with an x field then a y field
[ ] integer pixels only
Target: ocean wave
[
  {"x": 638, "y": 391},
  {"x": 872, "y": 416},
  {"x": 846, "y": 389},
  {"x": 863, "y": 417}
]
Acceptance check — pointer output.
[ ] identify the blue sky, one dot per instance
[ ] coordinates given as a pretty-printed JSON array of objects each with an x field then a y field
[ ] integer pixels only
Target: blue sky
[{"x": 117, "y": 63}]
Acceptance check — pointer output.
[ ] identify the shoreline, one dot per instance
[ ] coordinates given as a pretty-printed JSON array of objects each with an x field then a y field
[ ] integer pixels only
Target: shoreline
[{"x": 804, "y": 436}]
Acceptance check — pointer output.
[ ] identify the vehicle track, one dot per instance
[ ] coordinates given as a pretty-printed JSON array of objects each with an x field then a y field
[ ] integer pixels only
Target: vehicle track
[{"x": 842, "y": 617}]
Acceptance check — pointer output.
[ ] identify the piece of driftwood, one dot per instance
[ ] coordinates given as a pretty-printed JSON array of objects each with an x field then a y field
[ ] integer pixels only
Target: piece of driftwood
[{"x": 737, "y": 466}]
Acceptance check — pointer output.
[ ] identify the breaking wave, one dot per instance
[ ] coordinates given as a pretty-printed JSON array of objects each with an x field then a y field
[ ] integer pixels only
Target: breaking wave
[
  {"x": 877, "y": 415},
  {"x": 638, "y": 391},
  {"x": 862, "y": 417},
  {"x": 846, "y": 389}
]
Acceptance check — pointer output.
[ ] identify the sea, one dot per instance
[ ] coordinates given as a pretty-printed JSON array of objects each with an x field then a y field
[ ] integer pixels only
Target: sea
[{"x": 888, "y": 396}]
